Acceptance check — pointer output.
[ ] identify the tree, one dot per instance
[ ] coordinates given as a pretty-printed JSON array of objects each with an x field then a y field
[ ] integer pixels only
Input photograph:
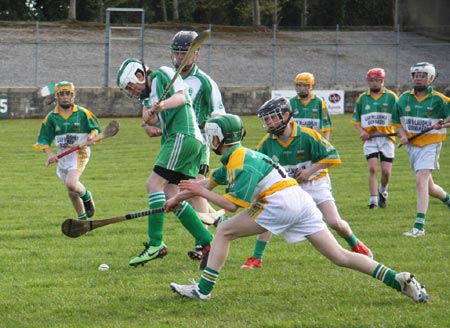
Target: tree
[
  {"x": 73, "y": 10},
  {"x": 256, "y": 13},
  {"x": 176, "y": 16}
]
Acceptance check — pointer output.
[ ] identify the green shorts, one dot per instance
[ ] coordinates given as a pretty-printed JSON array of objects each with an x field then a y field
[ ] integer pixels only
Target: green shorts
[{"x": 180, "y": 153}]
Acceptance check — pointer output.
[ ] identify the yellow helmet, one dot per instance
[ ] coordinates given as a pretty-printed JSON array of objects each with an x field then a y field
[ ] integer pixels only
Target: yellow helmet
[
  {"x": 305, "y": 78},
  {"x": 64, "y": 85}
]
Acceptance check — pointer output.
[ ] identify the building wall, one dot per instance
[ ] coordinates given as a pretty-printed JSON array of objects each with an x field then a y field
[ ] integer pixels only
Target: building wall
[{"x": 111, "y": 102}]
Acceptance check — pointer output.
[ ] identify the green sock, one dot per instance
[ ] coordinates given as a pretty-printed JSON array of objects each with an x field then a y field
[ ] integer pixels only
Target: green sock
[
  {"x": 190, "y": 220},
  {"x": 420, "y": 221},
  {"x": 155, "y": 222},
  {"x": 207, "y": 280},
  {"x": 82, "y": 216},
  {"x": 86, "y": 196},
  {"x": 387, "y": 276},
  {"x": 260, "y": 247},
  {"x": 446, "y": 200},
  {"x": 352, "y": 240}
]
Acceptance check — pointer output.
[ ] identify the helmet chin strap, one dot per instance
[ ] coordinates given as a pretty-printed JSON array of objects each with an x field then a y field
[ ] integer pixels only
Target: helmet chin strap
[
  {"x": 146, "y": 92},
  {"x": 420, "y": 88},
  {"x": 65, "y": 106},
  {"x": 185, "y": 68},
  {"x": 303, "y": 95}
]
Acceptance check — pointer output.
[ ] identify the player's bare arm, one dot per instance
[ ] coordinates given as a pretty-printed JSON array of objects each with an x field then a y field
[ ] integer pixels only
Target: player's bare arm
[
  {"x": 174, "y": 101},
  {"x": 304, "y": 175},
  {"x": 403, "y": 136}
]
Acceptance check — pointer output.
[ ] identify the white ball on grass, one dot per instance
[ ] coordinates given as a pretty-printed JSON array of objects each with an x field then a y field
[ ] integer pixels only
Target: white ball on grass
[{"x": 103, "y": 267}]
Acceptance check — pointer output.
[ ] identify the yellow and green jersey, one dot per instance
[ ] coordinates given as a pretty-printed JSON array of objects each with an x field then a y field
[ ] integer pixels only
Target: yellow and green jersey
[
  {"x": 249, "y": 176},
  {"x": 417, "y": 114},
  {"x": 313, "y": 113},
  {"x": 374, "y": 113},
  {"x": 304, "y": 148},
  {"x": 67, "y": 130}
]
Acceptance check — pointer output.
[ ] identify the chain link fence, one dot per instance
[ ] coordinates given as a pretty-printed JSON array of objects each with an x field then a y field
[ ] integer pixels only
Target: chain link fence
[{"x": 35, "y": 55}]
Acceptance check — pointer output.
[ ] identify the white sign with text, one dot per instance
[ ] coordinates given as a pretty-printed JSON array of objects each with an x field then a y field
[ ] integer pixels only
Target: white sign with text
[{"x": 333, "y": 98}]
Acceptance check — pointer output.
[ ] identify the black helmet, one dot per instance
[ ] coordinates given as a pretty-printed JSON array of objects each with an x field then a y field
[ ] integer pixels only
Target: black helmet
[
  {"x": 275, "y": 109},
  {"x": 183, "y": 40}
]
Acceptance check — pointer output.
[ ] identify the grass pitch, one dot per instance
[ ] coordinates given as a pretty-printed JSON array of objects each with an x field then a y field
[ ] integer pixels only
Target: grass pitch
[{"x": 50, "y": 280}]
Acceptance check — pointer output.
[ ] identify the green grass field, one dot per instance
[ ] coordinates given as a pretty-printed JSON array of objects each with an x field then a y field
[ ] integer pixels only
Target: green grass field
[{"x": 50, "y": 280}]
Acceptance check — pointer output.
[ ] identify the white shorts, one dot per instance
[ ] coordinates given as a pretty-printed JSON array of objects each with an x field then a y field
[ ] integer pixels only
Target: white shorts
[
  {"x": 290, "y": 212},
  {"x": 74, "y": 161},
  {"x": 382, "y": 145},
  {"x": 320, "y": 189},
  {"x": 424, "y": 158}
]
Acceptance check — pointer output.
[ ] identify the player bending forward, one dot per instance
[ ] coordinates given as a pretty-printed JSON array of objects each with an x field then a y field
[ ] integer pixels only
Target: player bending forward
[
  {"x": 262, "y": 187},
  {"x": 306, "y": 155}
]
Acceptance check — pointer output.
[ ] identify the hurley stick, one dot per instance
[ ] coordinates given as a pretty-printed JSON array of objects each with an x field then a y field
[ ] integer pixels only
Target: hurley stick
[
  {"x": 189, "y": 54},
  {"x": 111, "y": 130},
  {"x": 75, "y": 228},
  {"x": 432, "y": 127}
]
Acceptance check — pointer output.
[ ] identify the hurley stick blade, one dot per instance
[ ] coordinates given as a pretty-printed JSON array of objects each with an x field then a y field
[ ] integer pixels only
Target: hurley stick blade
[
  {"x": 210, "y": 218},
  {"x": 75, "y": 228},
  {"x": 111, "y": 130}
]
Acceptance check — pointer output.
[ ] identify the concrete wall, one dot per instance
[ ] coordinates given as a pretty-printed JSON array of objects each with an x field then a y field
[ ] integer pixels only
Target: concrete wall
[{"x": 110, "y": 102}]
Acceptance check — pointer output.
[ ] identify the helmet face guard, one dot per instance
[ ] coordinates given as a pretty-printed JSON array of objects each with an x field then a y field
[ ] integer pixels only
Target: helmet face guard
[
  {"x": 181, "y": 43},
  {"x": 271, "y": 115},
  {"x": 424, "y": 67},
  {"x": 228, "y": 129},
  {"x": 127, "y": 74},
  {"x": 302, "y": 79},
  {"x": 62, "y": 90},
  {"x": 374, "y": 76}
]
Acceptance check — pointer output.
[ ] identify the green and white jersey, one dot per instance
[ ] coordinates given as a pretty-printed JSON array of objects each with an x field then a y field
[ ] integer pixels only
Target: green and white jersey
[
  {"x": 313, "y": 113},
  {"x": 374, "y": 114},
  {"x": 249, "y": 175},
  {"x": 66, "y": 131},
  {"x": 416, "y": 115},
  {"x": 304, "y": 148},
  {"x": 181, "y": 119},
  {"x": 205, "y": 94}
]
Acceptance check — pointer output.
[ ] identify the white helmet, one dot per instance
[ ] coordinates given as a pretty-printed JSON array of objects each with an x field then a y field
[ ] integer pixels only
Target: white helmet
[
  {"x": 127, "y": 72},
  {"x": 425, "y": 68}
]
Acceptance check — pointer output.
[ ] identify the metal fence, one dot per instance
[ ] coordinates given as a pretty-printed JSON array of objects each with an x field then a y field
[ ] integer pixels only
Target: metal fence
[{"x": 35, "y": 55}]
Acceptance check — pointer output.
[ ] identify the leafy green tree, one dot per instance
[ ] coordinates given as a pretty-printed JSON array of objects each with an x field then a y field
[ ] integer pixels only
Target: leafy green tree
[{"x": 15, "y": 10}]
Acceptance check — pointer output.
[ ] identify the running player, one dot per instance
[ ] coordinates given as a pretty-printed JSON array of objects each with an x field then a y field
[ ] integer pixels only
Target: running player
[
  {"x": 372, "y": 115},
  {"x": 70, "y": 125},
  {"x": 415, "y": 110}
]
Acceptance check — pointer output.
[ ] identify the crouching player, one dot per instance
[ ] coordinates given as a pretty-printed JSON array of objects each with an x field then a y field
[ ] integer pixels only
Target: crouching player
[{"x": 273, "y": 202}]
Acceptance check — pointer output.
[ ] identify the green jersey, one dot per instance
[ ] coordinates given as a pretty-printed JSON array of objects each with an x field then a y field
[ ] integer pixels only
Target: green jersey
[
  {"x": 312, "y": 113},
  {"x": 205, "y": 94},
  {"x": 66, "y": 131},
  {"x": 250, "y": 176},
  {"x": 374, "y": 114},
  {"x": 304, "y": 148},
  {"x": 416, "y": 115},
  {"x": 181, "y": 119}
]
